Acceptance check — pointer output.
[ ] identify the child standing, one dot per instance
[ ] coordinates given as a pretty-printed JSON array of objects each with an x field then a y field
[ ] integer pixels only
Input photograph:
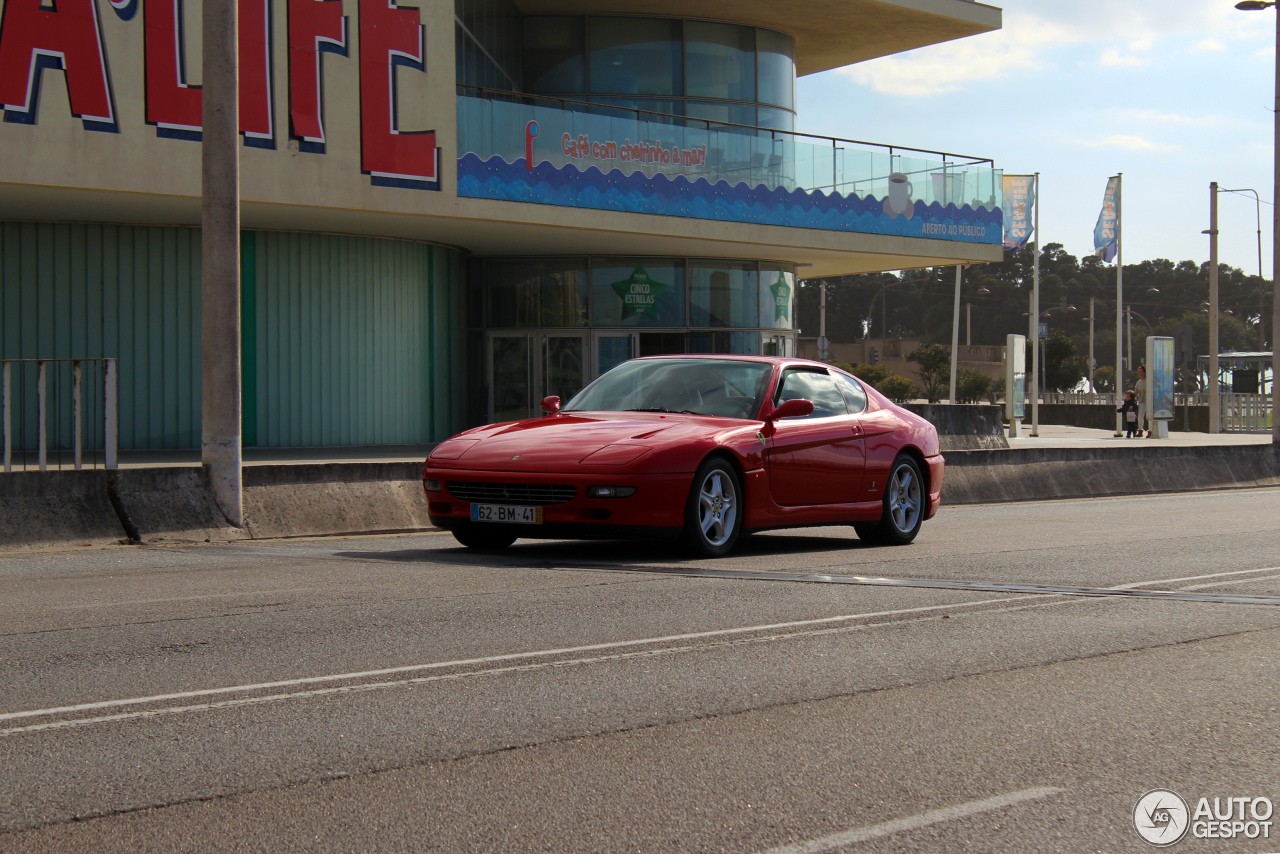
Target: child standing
[{"x": 1129, "y": 411}]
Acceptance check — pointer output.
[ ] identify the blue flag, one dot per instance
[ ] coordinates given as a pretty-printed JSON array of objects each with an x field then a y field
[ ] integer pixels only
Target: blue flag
[
  {"x": 1104, "y": 233},
  {"x": 1019, "y": 202}
]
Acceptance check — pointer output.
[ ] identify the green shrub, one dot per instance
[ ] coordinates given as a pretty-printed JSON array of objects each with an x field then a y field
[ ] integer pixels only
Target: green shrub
[
  {"x": 897, "y": 388},
  {"x": 971, "y": 386}
]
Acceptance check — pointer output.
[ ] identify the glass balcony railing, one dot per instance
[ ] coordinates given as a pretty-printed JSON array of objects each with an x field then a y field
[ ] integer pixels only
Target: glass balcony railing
[{"x": 550, "y": 151}]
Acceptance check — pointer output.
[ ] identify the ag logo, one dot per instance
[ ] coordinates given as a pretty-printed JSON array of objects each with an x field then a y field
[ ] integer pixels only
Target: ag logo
[{"x": 1161, "y": 817}]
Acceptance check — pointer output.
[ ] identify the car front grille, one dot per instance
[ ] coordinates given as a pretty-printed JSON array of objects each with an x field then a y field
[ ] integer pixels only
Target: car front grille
[{"x": 536, "y": 494}]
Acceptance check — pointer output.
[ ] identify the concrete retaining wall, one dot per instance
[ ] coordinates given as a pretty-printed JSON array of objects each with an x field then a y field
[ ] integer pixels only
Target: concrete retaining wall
[
  {"x": 964, "y": 426},
  {"x": 338, "y": 498},
  {"x": 1043, "y": 474},
  {"x": 1103, "y": 417},
  {"x": 62, "y": 509},
  {"x": 59, "y": 508}
]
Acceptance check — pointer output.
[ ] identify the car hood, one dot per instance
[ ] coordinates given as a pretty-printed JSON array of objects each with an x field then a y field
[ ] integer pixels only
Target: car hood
[{"x": 563, "y": 442}]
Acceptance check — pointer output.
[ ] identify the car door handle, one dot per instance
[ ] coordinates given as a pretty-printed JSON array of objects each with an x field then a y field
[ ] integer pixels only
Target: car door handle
[{"x": 857, "y": 429}]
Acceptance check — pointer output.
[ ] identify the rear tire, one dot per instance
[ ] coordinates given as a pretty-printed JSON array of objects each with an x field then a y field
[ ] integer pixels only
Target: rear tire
[
  {"x": 481, "y": 539},
  {"x": 713, "y": 512},
  {"x": 904, "y": 506}
]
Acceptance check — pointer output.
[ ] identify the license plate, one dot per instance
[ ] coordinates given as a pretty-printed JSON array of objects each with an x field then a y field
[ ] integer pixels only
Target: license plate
[{"x": 510, "y": 513}]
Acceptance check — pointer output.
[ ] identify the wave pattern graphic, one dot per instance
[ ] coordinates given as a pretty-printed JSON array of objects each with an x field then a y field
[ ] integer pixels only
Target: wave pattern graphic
[{"x": 546, "y": 184}]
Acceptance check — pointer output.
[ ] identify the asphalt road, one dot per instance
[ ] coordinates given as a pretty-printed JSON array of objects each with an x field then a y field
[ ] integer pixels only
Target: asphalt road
[{"x": 1014, "y": 681}]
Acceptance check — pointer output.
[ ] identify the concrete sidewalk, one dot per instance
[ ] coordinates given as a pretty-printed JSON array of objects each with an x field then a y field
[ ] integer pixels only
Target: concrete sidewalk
[{"x": 1058, "y": 436}]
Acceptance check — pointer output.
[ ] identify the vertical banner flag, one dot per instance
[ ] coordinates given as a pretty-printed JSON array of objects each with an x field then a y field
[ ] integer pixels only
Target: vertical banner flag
[
  {"x": 1104, "y": 233},
  {"x": 1019, "y": 202}
]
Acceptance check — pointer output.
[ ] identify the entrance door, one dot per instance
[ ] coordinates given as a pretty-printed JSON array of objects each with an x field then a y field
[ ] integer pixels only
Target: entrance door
[
  {"x": 614, "y": 348},
  {"x": 525, "y": 367},
  {"x": 564, "y": 362},
  {"x": 510, "y": 376}
]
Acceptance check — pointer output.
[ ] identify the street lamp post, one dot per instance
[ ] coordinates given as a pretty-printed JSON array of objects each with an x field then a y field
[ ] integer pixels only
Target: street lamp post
[
  {"x": 1252, "y": 6},
  {"x": 1262, "y": 300}
]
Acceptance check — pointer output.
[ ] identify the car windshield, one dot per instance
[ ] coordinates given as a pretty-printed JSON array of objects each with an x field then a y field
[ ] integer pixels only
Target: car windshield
[{"x": 722, "y": 387}]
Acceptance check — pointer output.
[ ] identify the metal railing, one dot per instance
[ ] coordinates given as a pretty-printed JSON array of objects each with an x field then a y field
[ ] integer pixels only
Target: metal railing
[
  {"x": 46, "y": 399},
  {"x": 1240, "y": 413},
  {"x": 494, "y": 122}
]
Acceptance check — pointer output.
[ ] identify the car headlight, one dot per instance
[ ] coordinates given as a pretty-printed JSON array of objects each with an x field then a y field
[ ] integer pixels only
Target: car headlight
[
  {"x": 431, "y": 484},
  {"x": 611, "y": 491}
]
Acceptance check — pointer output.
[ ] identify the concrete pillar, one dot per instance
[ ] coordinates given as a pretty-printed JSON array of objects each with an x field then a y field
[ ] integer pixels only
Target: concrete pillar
[{"x": 220, "y": 260}]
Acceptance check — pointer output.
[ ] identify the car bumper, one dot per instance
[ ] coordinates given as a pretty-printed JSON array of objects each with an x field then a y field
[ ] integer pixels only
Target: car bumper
[
  {"x": 937, "y": 465},
  {"x": 656, "y": 509}
]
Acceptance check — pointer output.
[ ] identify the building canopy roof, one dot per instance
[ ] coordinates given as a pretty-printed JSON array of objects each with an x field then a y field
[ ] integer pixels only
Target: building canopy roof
[{"x": 828, "y": 33}]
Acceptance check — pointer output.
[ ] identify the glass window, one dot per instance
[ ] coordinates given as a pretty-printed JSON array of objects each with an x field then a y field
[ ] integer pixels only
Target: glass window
[
  {"x": 636, "y": 56},
  {"x": 637, "y": 292},
  {"x": 724, "y": 293},
  {"x": 738, "y": 114},
  {"x": 854, "y": 395},
  {"x": 744, "y": 343},
  {"x": 776, "y": 57},
  {"x": 627, "y": 107},
  {"x": 661, "y": 343},
  {"x": 537, "y": 293},
  {"x": 775, "y": 119},
  {"x": 555, "y": 55},
  {"x": 777, "y": 299},
  {"x": 816, "y": 387},
  {"x": 721, "y": 61},
  {"x": 475, "y": 293}
]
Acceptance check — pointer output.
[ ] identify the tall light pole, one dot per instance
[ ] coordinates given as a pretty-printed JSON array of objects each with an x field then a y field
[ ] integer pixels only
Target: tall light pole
[
  {"x": 1252, "y": 6},
  {"x": 1215, "y": 395},
  {"x": 1262, "y": 301}
]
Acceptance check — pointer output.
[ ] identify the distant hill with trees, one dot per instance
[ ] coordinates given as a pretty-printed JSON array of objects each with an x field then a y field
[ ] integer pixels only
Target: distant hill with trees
[{"x": 917, "y": 304}]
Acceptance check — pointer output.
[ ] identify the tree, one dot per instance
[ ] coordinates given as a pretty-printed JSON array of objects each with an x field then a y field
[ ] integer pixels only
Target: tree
[
  {"x": 1063, "y": 370},
  {"x": 935, "y": 369},
  {"x": 972, "y": 386},
  {"x": 897, "y": 388},
  {"x": 1104, "y": 379}
]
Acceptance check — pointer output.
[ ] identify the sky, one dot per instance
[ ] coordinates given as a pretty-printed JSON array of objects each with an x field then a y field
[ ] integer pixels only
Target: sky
[{"x": 1174, "y": 94}]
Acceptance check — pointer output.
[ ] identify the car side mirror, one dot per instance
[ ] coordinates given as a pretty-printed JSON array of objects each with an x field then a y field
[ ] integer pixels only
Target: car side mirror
[
  {"x": 795, "y": 408},
  {"x": 551, "y": 404}
]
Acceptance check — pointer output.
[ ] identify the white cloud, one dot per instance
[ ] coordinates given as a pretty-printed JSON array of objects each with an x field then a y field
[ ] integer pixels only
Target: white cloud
[
  {"x": 946, "y": 67},
  {"x": 1113, "y": 59},
  {"x": 1152, "y": 116},
  {"x": 1033, "y": 29},
  {"x": 1128, "y": 141}
]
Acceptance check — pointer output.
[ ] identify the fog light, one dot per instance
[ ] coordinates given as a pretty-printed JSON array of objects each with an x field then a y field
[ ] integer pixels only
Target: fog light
[
  {"x": 611, "y": 492},
  {"x": 430, "y": 484}
]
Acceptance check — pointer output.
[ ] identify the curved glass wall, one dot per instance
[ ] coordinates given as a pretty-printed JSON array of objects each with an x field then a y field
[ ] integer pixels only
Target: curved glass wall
[
  {"x": 543, "y": 326},
  {"x": 700, "y": 69}
]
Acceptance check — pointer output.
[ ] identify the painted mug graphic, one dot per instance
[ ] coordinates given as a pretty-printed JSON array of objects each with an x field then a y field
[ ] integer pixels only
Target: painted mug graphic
[{"x": 898, "y": 202}]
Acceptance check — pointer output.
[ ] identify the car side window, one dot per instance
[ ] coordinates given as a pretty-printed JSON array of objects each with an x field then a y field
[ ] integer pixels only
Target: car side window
[
  {"x": 854, "y": 395},
  {"x": 816, "y": 387}
]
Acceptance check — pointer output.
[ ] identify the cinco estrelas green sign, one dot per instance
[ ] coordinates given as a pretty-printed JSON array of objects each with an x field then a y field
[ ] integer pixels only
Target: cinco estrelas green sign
[
  {"x": 781, "y": 297},
  {"x": 639, "y": 294}
]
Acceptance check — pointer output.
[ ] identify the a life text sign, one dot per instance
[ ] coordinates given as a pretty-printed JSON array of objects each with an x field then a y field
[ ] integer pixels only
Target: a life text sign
[{"x": 36, "y": 35}]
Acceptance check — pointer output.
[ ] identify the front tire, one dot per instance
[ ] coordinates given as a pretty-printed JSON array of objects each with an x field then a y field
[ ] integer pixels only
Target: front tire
[
  {"x": 904, "y": 506},
  {"x": 483, "y": 539},
  {"x": 713, "y": 513}
]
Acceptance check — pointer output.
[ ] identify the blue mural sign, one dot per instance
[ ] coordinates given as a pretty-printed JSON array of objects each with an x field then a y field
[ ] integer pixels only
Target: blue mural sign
[{"x": 608, "y": 163}]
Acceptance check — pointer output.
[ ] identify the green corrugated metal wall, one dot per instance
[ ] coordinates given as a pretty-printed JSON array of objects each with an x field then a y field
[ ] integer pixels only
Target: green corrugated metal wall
[
  {"x": 349, "y": 331},
  {"x": 350, "y": 340},
  {"x": 95, "y": 291}
]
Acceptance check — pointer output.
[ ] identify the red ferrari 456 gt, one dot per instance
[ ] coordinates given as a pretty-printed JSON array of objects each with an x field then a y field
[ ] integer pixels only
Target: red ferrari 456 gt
[{"x": 699, "y": 447}]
